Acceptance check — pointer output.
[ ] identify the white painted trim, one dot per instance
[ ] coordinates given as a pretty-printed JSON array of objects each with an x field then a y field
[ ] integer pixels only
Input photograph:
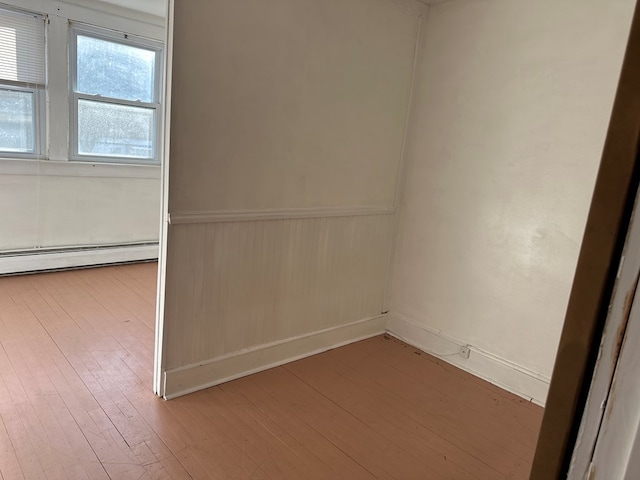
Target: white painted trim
[
  {"x": 498, "y": 371},
  {"x": 191, "y": 378},
  {"x": 49, "y": 168},
  {"x": 57, "y": 93},
  {"x": 275, "y": 214},
  {"x": 54, "y": 260},
  {"x": 507, "y": 375},
  {"x": 158, "y": 362}
]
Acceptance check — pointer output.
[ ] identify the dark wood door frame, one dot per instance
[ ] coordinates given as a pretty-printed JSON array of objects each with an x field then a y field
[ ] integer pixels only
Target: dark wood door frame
[{"x": 600, "y": 255}]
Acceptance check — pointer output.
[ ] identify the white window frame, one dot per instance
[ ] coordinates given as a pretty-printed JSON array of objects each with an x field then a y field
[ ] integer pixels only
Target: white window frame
[
  {"x": 39, "y": 95},
  {"x": 74, "y": 97}
]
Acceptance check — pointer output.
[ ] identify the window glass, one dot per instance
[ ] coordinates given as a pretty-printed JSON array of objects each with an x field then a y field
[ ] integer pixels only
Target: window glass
[
  {"x": 16, "y": 121},
  {"x": 111, "y": 69},
  {"x": 111, "y": 130}
]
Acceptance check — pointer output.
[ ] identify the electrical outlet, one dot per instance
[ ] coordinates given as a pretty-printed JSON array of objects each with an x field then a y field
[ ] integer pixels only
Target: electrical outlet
[{"x": 464, "y": 352}]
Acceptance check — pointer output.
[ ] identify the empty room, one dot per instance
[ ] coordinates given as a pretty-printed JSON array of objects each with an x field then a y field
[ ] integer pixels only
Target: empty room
[{"x": 294, "y": 239}]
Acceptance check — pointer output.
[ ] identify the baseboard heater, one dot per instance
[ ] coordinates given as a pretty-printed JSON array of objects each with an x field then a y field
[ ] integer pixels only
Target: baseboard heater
[{"x": 61, "y": 258}]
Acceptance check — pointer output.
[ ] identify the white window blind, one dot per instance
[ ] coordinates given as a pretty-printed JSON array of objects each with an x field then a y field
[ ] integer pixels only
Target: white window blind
[{"x": 22, "y": 48}]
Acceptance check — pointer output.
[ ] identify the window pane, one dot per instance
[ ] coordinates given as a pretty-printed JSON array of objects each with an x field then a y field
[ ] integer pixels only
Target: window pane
[
  {"x": 108, "y": 130},
  {"x": 114, "y": 70},
  {"x": 16, "y": 121}
]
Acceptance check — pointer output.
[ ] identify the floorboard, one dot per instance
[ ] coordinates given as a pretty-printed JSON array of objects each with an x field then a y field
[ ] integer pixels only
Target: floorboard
[{"x": 76, "y": 401}]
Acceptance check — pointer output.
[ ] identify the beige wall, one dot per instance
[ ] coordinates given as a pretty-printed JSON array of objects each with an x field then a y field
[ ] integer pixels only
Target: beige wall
[
  {"x": 287, "y": 130},
  {"x": 511, "y": 111},
  {"x": 288, "y": 105}
]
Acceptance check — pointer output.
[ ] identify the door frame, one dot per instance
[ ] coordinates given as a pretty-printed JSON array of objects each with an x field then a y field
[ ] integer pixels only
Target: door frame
[
  {"x": 616, "y": 453},
  {"x": 158, "y": 358},
  {"x": 595, "y": 422}
]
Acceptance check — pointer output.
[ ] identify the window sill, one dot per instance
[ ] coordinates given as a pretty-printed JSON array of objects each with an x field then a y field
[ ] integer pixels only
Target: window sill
[{"x": 11, "y": 166}]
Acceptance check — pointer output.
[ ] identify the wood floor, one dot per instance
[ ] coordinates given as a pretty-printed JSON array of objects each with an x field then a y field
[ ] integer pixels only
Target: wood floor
[{"x": 76, "y": 402}]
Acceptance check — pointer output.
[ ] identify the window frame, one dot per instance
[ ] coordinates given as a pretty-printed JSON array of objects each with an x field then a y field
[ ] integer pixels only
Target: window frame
[
  {"x": 122, "y": 38},
  {"x": 39, "y": 96}
]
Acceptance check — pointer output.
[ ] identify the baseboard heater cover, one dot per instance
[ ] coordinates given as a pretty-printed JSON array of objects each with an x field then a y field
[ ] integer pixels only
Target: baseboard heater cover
[{"x": 74, "y": 257}]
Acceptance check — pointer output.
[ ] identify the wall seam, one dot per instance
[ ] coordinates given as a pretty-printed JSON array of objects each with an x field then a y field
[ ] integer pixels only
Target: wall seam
[{"x": 399, "y": 190}]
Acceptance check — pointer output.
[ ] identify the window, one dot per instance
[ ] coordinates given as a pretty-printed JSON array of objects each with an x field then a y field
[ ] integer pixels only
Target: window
[
  {"x": 22, "y": 83},
  {"x": 115, "y": 94}
]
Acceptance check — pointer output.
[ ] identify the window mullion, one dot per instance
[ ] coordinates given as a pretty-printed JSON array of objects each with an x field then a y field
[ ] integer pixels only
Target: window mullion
[{"x": 58, "y": 89}]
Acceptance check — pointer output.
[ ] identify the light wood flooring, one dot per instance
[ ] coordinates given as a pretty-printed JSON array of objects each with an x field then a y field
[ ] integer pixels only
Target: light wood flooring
[{"x": 76, "y": 355}]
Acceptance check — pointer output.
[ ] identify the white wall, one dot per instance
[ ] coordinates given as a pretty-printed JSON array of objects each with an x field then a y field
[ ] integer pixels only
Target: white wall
[
  {"x": 510, "y": 115},
  {"x": 89, "y": 205},
  {"x": 53, "y": 202},
  {"x": 287, "y": 129}
]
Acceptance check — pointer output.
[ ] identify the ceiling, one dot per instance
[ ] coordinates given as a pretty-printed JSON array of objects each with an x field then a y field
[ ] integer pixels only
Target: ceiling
[
  {"x": 154, "y": 7},
  {"x": 159, "y": 7}
]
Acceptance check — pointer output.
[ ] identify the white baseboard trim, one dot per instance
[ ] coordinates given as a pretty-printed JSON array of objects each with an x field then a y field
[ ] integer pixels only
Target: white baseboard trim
[
  {"x": 60, "y": 259},
  {"x": 191, "y": 378},
  {"x": 498, "y": 371}
]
